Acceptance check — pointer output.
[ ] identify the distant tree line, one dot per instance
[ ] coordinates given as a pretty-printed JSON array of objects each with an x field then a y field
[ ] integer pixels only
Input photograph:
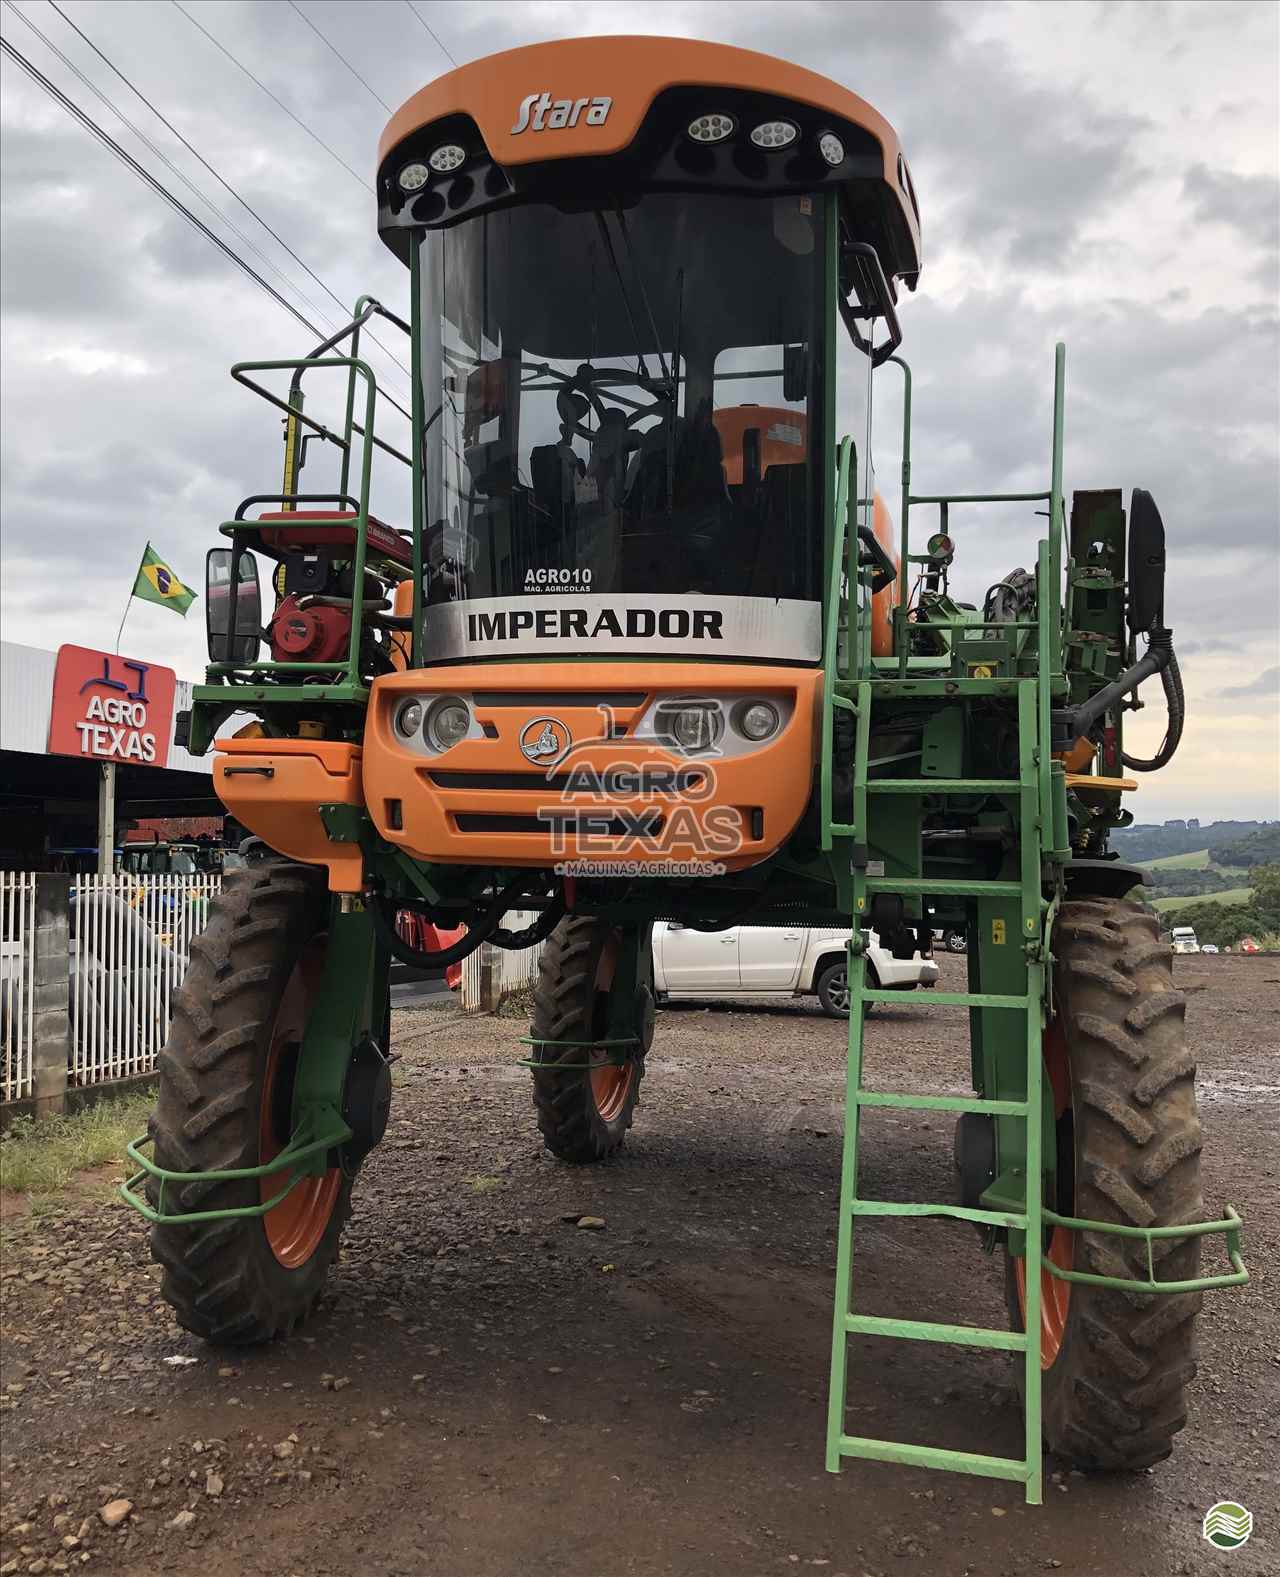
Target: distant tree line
[
  {"x": 1146, "y": 841},
  {"x": 1225, "y": 924}
]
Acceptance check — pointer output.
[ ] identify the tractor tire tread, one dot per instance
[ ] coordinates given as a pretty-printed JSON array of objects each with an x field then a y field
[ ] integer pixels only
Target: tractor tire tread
[
  {"x": 1114, "y": 1396},
  {"x": 221, "y": 1277},
  {"x": 563, "y": 1006}
]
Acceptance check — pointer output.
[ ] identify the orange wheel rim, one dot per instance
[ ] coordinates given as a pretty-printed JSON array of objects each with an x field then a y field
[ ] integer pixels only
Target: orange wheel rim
[
  {"x": 610, "y": 1083},
  {"x": 296, "y": 1226},
  {"x": 1055, "y": 1295}
]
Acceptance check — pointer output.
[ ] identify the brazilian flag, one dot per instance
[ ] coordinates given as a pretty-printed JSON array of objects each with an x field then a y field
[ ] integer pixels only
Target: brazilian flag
[{"x": 156, "y": 582}]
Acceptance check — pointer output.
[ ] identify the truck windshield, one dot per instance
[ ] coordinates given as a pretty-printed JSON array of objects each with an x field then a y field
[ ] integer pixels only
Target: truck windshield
[{"x": 624, "y": 402}]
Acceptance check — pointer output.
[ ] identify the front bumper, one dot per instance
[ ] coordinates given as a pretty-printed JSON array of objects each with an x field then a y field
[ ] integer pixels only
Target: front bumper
[{"x": 484, "y": 801}]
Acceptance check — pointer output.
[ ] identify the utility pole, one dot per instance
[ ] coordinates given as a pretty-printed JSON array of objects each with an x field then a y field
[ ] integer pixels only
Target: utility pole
[{"x": 106, "y": 818}]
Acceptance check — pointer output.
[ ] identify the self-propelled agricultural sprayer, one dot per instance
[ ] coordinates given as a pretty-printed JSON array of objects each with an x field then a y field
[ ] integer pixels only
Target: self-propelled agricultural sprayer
[{"x": 651, "y": 647}]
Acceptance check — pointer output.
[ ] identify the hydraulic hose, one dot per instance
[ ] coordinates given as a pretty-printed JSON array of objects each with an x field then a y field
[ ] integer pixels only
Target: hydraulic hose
[
  {"x": 384, "y": 911},
  {"x": 485, "y": 929},
  {"x": 1175, "y": 702}
]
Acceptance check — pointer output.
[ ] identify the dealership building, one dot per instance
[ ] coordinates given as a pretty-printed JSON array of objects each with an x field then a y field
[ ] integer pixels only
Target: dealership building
[{"x": 87, "y": 735}]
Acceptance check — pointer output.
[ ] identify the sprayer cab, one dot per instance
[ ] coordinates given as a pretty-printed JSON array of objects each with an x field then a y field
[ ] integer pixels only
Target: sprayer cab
[{"x": 623, "y": 287}]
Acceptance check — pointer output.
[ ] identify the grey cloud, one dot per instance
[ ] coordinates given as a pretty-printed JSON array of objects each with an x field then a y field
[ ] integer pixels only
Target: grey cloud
[{"x": 1266, "y": 684}]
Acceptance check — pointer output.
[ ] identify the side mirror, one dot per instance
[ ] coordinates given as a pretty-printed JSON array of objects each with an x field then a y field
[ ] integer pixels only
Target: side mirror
[
  {"x": 1146, "y": 564},
  {"x": 233, "y": 612},
  {"x": 795, "y": 372}
]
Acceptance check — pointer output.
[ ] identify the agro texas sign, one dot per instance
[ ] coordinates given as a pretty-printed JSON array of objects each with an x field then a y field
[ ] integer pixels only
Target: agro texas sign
[{"x": 111, "y": 708}]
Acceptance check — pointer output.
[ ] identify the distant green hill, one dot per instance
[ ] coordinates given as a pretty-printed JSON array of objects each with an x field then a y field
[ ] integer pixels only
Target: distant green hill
[
  {"x": 1148, "y": 841},
  {"x": 1255, "y": 848},
  {"x": 1230, "y": 896},
  {"x": 1197, "y": 860}
]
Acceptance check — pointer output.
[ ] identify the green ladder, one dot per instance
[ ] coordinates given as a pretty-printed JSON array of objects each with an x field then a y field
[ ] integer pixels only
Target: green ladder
[{"x": 1027, "y": 1221}]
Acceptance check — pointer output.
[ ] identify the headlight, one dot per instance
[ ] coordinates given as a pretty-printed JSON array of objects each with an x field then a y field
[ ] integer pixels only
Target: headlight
[
  {"x": 773, "y": 134},
  {"x": 413, "y": 177},
  {"x": 756, "y": 720},
  {"x": 448, "y": 721},
  {"x": 408, "y": 718},
  {"x": 694, "y": 727},
  {"x": 831, "y": 148}
]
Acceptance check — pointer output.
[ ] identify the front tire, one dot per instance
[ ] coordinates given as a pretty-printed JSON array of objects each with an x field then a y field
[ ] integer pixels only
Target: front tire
[
  {"x": 1116, "y": 1364},
  {"x": 585, "y": 1108},
  {"x": 225, "y": 1101}
]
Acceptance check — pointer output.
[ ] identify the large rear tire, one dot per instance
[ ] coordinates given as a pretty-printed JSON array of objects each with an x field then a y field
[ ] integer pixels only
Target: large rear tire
[
  {"x": 584, "y": 1111},
  {"x": 225, "y": 1101},
  {"x": 1116, "y": 1364}
]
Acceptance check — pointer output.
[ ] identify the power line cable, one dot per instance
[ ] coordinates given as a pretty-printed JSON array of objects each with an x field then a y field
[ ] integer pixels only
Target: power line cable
[
  {"x": 200, "y": 28},
  {"x": 161, "y": 155},
  {"x": 222, "y": 181},
  {"x": 439, "y": 42},
  {"x": 370, "y": 90},
  {"x": 161, "y": 190},
  {"x": 105, "y": 137}
]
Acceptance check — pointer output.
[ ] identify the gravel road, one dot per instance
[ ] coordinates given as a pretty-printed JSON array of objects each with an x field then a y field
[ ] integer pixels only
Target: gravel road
[{"x": 491, "y": 1389}]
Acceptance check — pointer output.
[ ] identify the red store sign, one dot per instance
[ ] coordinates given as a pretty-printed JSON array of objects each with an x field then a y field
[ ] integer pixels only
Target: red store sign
[{"x": 111, "y": 708}]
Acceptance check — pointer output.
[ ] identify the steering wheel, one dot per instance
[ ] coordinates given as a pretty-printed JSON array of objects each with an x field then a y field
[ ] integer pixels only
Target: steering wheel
[{"x": 583, "y": 384}]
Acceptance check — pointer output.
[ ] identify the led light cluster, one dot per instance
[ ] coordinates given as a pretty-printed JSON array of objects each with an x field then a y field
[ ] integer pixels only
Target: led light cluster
[
  {"x": 711, "y": 128},
  {"x": 447, "y": 157},
  {"x": 413, "y": 177},
  {"x": 831, "y": 148},
  {"x": 774, "y": 134}
]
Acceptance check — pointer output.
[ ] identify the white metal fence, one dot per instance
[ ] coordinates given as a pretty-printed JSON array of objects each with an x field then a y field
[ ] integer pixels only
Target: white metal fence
[
  {"x": 17, "y": 983},
  {"x": 131, "y": 936},
  {"x": 491, "y": 973}
]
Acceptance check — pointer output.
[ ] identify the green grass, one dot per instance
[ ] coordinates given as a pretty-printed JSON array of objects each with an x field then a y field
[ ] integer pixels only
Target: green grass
[
  {"x": 1197, "y": 861},
  {"x": 42, "y": 1156},
  {"x": 1229, "y": 895}
]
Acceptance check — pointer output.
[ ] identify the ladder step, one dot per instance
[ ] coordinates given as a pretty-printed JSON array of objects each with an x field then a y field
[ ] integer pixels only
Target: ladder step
[
  {"x": 930, "y": 1331},
  {"x": 941, "y": 1103},
  {"x": 945, "y": 785},
  {"x": 956, "y": 889},
  {"x": 983, "y": 1218},
  {"x": 935, "y": 1457},
  {"x": 959, "y": 999}
]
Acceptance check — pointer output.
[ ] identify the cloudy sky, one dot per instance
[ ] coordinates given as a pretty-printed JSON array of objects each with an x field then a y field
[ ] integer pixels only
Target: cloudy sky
[{"x": 1101, "y": 173}]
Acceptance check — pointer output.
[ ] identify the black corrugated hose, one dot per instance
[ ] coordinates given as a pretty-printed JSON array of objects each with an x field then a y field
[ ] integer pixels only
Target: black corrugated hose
[{"x": 1175, "y": 701}]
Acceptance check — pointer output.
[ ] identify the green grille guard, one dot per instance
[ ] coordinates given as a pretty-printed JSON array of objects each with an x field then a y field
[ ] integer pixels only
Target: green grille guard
[
  {"x": 300, "y": 1149},
  {"x": 1230, "y": 1225}
]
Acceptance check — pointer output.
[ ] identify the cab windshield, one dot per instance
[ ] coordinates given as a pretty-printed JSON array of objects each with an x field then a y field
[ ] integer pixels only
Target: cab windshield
[{"x": 624, "y": 401}]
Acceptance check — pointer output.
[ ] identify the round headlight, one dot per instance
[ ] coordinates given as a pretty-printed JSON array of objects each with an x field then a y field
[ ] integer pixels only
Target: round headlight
[
  {"x": 693, "y": 729},
  {"x": 774, "y": 134},
  {"x": 408, "y": 718},
  {"x": 757, "y": 720},
  {"x": 413, "y": 177},
  {"x": 710, "y": 128},
  {"x": 448, "y": 721},
  {"x": 447, "y": 157},
  {"x": 831, "y": 148}
]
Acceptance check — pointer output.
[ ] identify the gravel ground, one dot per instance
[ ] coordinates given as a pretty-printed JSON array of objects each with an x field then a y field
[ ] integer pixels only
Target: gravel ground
[{"x": 491, "y": 1389}]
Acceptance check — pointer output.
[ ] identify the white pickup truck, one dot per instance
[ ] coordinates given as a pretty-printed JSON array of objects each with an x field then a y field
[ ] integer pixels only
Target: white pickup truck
[{"x": 794, "y": 961}]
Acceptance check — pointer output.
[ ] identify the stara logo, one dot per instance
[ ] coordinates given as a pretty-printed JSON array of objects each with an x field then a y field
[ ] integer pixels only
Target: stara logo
[{"x": 540, "y": 112}]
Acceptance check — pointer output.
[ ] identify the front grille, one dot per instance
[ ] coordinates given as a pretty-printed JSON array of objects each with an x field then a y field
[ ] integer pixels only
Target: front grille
[
  {"x": 594, "y": 826},
  {"x": 529, "y": 781}
]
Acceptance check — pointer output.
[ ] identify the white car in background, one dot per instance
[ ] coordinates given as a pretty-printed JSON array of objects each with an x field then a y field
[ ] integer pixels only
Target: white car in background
[{"x": 791, "y": 961}]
